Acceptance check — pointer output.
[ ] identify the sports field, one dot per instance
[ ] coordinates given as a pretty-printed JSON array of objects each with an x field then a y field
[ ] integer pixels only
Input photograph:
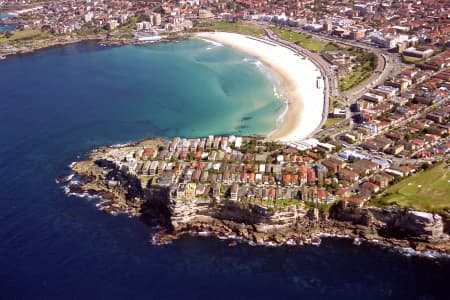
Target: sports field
[{"x": 427, "y": 190}]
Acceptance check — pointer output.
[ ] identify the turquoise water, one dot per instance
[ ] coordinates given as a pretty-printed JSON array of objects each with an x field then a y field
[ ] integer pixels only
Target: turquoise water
[
  {"x": 202, "y": 88},
  {"x": 57, "y": 104},
  {"x": 191, "y": 88}
]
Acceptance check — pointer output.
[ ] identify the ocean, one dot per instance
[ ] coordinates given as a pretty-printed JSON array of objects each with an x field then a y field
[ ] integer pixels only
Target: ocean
[
  {"x": 58, "y": 104},
  {"x": 5, "y": 27}
]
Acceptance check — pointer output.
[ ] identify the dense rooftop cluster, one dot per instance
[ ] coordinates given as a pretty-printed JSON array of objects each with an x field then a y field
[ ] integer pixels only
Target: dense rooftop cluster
[
  {"x": 250, "y": 169},
  {"x": 407, "y": 116},
  {"x": 388, "y": 23},
  {"x": 398, "y": 125}
]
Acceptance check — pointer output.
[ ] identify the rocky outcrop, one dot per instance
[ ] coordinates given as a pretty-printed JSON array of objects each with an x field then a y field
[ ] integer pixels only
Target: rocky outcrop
[
  {"x": 421, "y": 225},
  {"x": 256, "y": 223},
  {"x": 398, "y": 223},
  {"x": 399, "y": 226},
  {"x": 232, "y": 219}
]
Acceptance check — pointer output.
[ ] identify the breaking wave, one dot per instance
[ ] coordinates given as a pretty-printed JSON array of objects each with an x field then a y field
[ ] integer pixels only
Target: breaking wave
[{"x": 217, "y": 44}]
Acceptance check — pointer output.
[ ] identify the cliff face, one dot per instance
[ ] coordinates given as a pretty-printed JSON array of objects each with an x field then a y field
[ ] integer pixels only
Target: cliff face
[
  {"x": 397, "y": 226},
  {"x": 231, "y": 219},
  {"x": 421, "y": 225},
  {"x": 415, "y": 228}
]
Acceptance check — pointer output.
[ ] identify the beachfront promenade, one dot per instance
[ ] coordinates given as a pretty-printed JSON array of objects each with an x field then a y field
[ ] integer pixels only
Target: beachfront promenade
[
  {"x": 330, "y": 81},
  {"x": 387, "y": 65},
  {"x": 301, "y": 83},
  {"x": 303, "y": 73}
]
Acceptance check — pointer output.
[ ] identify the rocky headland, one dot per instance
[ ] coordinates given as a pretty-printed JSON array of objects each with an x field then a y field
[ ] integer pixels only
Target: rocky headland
[
  {"x": 34, "y": 45},
  {"x": 122, "y": 192}
]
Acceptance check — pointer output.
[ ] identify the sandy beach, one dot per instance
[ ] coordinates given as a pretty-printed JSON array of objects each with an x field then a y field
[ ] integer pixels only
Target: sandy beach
[{"x": 298, "y": 79}]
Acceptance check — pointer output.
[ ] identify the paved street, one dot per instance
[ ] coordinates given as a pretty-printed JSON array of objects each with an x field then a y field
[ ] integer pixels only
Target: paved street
[{"x": 389, "y": 65}]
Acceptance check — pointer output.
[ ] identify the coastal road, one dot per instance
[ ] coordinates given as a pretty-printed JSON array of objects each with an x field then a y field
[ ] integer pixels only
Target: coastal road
[{"x": 388, "y": 65}]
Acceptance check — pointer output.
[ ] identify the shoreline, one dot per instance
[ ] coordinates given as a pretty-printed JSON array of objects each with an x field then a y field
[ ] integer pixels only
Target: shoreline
[
  {"x": 101, "y": 39},
  {"x": 48, "y": 45},
  {"x": 177, "y": 218},
  {"x": 298, "y": 80},
  {"x": 118, "y": 190},
  {"x": 160, "y": 236}
]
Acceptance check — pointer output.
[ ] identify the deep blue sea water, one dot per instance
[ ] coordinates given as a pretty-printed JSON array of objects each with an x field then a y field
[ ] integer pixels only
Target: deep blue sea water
[{"x": 57, "y": 104}]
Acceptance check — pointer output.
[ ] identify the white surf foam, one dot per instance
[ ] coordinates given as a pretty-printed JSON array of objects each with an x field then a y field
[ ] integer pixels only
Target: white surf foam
[{"x": 217, "y": 44}]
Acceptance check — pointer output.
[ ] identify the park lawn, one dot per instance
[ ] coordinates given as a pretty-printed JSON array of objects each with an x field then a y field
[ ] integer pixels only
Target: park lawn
[
  {"x": 286, "y": 202},
  {"x": 427, "y": 190},
  {"x": 26, "y": 34},
  {"x": 237, "y": 27},
  {"x": 331, "y": 47},
  {"x": 303, "y": 40},
  {"x": 125, "y": 30},
  {"x": 355, "y": 77},
  {"x": 331, "y": 122},
  {"x": 339, "y": 130},
  {"x": 90, "y": 31},
  {"x": 23, "y": 35},
  {"x": 336, "y": 102},
  {"x": 367, "y": 64},
  {"x": 129, "y": 25}
]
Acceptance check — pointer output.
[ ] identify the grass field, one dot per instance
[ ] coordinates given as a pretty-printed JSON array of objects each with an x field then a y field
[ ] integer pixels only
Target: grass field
[
  {"x": 363, "y": 71},
  {"x": 304, "y": 40},
  {"x": 354, "y": 78},
  {"x": 339, "y": 130},
  {"x": 237, "y": 27},
  {"x": 427, "y": 190},
  {"x": 23, "y": 35},
  {"x": 331, "y": 47},
  {"x": 331, "y": 122},
  {"x": 336, "y": 102},
  {"x": 90, "y": 31},
  {"x": 367, "y": 60}
]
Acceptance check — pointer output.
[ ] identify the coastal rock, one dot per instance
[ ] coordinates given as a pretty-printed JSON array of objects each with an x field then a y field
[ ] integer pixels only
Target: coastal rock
[
  {"x": 426, "y": 226},
  {"x": 280, "y": 239},
  {"x": 393, "y": 226},
  {"x": 75, "y": 189},
  {"x": 258, "y": 238}
]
